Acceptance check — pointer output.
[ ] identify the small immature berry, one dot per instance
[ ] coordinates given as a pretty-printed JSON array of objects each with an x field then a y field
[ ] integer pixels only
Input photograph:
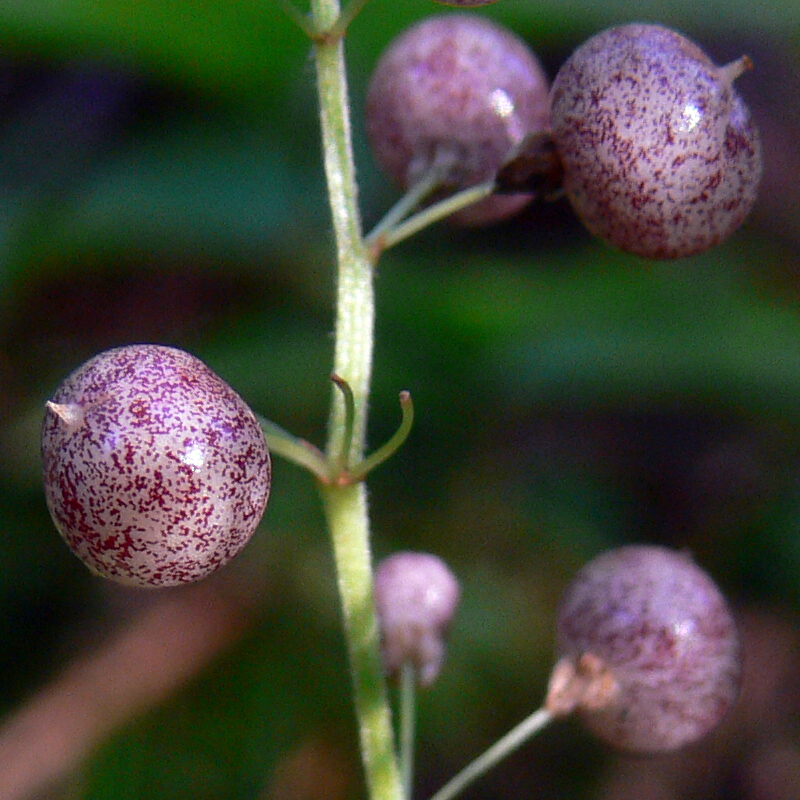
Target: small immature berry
[
  {"x": 659, "y": 152},
  {"x": 156, "y": 472},
  {"x": 416, "y": 596},
  {"x": 456, "y": 92},
  {"x": 657, "y": 629}
]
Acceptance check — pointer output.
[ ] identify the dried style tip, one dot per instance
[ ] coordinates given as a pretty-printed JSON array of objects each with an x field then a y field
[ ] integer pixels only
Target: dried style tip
[
  {"x": 416, "y": 596},
  {"x": 660, "y": 155},
  {"x": 156, "y": 472},
  {"x": 652, "y": 620},
  {"x": 585, "y": 683},
  {"x": 456, "y": 93}
]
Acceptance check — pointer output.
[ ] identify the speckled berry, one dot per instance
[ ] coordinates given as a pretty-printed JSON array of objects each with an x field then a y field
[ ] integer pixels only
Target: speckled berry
[
  {"x": 663, "y": 630},
  {"x": 659, "y": 152},
  {"x": 416, "y": 597},
  {"x": 156, "y": 472},
  {"x": 457, "y": 92}
]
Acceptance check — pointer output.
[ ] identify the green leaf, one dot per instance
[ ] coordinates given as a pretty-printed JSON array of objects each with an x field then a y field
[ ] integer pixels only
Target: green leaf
[{"x": 244, "y": 46}]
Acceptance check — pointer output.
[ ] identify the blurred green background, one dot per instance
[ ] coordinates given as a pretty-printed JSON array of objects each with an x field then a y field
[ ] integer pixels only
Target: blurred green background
[{"x": 160, "y": 180}]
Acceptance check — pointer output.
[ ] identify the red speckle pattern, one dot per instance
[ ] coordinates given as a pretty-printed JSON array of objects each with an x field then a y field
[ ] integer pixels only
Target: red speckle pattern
[
  {"x": 165, "y": 476},
  {"x": 664, "y": 629},
  {"x": 456, "y": 90},
  {"x": 660, "y": 155}
]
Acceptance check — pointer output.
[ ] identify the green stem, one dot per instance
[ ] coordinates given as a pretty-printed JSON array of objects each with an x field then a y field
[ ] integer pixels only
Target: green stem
[
  {"x": 349, "y": 420},
  {"x": 386, "y": 451},
  {"x": 405, "y": 205},
  {"x": 351, "y": 11},
  {"x": 346, "y": 506},
  {"x": 346, "y": 513},
  {"x": 408, "y": 715},
  {"x": 496, "y": 753},
  {"x": 299, "y": 451},
  {"x": 432, "y": 214},
  {"x": 294, "y": 13}
]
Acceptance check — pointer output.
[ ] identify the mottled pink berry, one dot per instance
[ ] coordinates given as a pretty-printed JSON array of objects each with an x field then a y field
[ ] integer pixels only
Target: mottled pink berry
[
  {"x": 659, "y": 152},
  {"x": 416, "y": 596},
  {"x": 156, "y": 472},
  {"x": 457, "y": 92},
  {"x": 661, "y": 627}
]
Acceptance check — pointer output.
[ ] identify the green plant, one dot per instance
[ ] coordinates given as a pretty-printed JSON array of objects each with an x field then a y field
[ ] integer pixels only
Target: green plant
[{"x": 341, "y": 467}]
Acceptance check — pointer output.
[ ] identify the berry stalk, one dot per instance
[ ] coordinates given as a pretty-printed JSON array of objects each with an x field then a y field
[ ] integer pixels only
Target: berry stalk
[{"x": 346, "y": 506}]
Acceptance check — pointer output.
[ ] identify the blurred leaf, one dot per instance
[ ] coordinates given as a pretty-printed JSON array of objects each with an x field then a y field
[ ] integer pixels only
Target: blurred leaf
[
  {"x": 212, "y": 190},
  {"x": 223, "y": 736},
  {"x": 613, "y": 332},
  {"x": 587, "y": 16},
  {"x": 236, "y": 47}
]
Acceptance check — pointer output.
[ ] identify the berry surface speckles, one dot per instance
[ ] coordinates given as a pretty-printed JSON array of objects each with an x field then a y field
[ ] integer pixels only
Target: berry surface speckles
[
  {"x": 156, "y": 472},
  {"x": 660, "y": 155},
  {"x": 663, "y": 629},
  {"x": 456, "y": 92}
]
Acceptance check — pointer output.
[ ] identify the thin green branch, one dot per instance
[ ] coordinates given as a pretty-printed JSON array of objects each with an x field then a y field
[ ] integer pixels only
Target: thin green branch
[
  {"x": 351, "y": 11},
  {"x": 360, "y": 471},
  {"x": 405, "y": 205},
  {"x": 432, "y": 214},
  {"x": 349, "y": 420},
  {"x": 496, "y": 753},
  {"x": 296, "y": 15},
  {"x": 299, "y": 451},
  {"x": 408, "y": 715}
]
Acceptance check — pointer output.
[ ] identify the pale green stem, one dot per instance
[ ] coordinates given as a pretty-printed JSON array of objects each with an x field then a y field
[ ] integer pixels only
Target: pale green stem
[
  {"x": 346, "y": 513},
  {"x": 496, "y": 753},
  {"x": 299, "y": 451},
  {"x": 294, "y": 13},
  {"x": 360, "y": 471},
  {"x": 351, "y": 11},
  {"x": 346, "y": 506},
  {"x": 431, "y": 214},
  {"x": 408, "y": 716},
  {"x": 405, "y": 205}
]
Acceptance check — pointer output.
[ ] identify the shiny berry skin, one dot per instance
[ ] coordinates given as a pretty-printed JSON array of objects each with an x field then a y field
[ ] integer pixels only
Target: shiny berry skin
[
  {"x": 156, "y": 472},
  {"x": 659, "y": 152},
  {"x": 662, "y": 628},
  {"x": 459, "y": 92},
  {"x": 416, "y": 597}
]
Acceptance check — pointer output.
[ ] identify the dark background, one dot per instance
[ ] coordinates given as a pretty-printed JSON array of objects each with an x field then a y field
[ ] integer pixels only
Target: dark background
[{"x": 160, "y": 180}]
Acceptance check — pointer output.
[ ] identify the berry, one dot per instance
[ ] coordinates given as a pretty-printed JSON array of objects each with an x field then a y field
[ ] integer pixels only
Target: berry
[
  {"x": 456, "y": 92},
  {"x": 416, "y": 597},
  {"x": 156, "y": 472},
  {"x": 656, "y": 624},
  {"x": 659, "y": 153}
]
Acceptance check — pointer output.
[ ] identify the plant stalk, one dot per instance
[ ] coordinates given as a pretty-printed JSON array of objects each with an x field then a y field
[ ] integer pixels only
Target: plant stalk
[{"x": 346, "y": 506}]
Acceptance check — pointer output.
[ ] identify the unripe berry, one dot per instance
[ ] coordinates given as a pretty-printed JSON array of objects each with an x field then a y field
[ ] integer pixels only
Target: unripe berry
[
  {"x": 653, "y": 622},
  {"x": 156, "y": 472},
  {"x": 416, "y": 597},
  {"x": 659, "y": 153},
  {"x": 456, "y": 92}
]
